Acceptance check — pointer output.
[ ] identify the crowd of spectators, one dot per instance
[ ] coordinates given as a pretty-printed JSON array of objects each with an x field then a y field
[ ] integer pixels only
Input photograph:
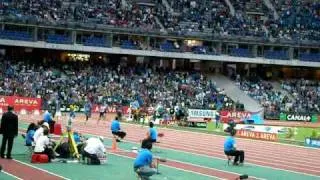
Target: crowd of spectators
[
  {"x": 296, "y": 20},
  {"x": 299, "y": 20},
  {"x": 77, "y": 82},
  {"x": 105, "y": 12},
  {"x": 304, "y": 95}
]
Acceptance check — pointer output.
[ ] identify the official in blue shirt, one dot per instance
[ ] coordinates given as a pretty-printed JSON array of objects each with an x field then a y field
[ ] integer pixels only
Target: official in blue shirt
[
  {"x": 47, "y": 117},
  {"x": 30, "y": 133},
  {"x": 143, "y": 164},
  {"x": 116, "y": 131},
  {"x": 152, "y": 134},
  {"x": 230, "y": 149}
]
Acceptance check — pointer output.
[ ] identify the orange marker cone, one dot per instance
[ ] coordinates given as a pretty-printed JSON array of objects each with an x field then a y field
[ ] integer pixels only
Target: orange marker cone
[{"x": 114, "y": 144}]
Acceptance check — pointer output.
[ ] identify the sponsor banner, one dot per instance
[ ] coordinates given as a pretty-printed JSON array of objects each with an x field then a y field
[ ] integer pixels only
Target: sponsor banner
[
  {"x": 95, "y": 109},
  {"x": 201, "y": 124},
  {"x": 240, "y": 116},
  {"x": 20, "y": 103},
  {"x": 311, "y": 142},
  {"x": 257, "y": 135},
  {"x": 200, "y": 113},
  {"x": 198, "y": 120},
  {"x": 259, "y": 128},
  {"x": 299, "y": 117}
]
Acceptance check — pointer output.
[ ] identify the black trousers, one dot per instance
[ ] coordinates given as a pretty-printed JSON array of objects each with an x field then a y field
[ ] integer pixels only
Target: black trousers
[
  {"x": 5, "y": 140},
  {"x": 120, "y": 134},
  {"x": 51, "y": 126},
  {"x": 238, "y": 155},
  {"x": 94, "y": 160}
]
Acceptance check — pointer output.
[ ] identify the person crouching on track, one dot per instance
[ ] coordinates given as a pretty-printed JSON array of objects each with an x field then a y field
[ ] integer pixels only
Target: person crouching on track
[
  {"x": 230, "y": 149},
  {"x": 116, "y": 131},
  {"x": 94, "y": 149},
  {"x": 143, "y": 164},
  {"x": 152, "y": 134},
  {"x": 44, "y": 146}
]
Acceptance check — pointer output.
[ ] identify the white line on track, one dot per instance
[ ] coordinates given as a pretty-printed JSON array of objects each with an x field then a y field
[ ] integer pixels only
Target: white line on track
[
  {"x": 9, "y": 174},
  {"x": 41, "y": 169}
]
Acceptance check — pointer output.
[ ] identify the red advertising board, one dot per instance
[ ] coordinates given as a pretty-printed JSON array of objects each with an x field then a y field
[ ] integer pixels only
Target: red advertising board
[
  {"x": 111, "y": 109},
  {"x": 237, "y": 116},
  {"x": 257, "y": 135},
  {"x": 19, "y": 103}
]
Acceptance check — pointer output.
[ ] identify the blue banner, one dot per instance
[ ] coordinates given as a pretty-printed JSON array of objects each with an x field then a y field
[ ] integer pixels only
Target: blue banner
[{"x": 312, "y": 142}]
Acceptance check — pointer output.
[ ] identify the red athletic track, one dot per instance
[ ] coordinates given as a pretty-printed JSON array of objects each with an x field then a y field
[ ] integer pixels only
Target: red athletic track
[
  {"x": 299, "y": 159},
  {"x": 25, "y": 172}
]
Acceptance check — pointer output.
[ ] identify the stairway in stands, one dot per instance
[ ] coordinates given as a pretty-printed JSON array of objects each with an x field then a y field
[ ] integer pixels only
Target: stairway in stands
[{"x": 235, "y": 93}]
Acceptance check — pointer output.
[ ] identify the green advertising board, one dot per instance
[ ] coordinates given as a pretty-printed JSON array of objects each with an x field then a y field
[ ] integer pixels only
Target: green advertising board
[
  {"x": 283, "y": 117},
  {"x": 299, "y": 117}
]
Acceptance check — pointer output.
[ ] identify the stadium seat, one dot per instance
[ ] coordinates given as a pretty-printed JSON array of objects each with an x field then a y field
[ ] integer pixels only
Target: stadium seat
[{"x": 39, "y": 158}]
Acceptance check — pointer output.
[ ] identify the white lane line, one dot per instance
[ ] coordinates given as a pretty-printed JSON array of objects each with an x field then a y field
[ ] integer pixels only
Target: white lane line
[
  {"x": 9, "y": 174},
  {"x": 41, "y": 169}
]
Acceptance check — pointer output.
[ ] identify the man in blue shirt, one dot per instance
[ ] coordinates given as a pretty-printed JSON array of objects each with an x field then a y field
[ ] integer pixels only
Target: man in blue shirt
[
  {"x": 152, "y": 133},
  {"x": 47, "y": 117},
  {"x": 230, "y": 149},
  {"x": 116, "y": 131},
  {"x": 143, "y": 165}
]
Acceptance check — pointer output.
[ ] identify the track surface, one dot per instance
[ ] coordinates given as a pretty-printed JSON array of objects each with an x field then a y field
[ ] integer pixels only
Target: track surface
[
  {"x": 25, "y": 172},
  {"x": 275, "y": 155}
]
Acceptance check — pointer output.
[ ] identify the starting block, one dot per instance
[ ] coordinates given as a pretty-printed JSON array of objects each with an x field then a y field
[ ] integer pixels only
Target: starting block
[{"x": 39, "y": 158}]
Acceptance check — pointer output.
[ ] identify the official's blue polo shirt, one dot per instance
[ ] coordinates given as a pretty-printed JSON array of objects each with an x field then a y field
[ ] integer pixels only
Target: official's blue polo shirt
[
  {"x": 115, "y": 126},
  {"x": 153, "y": 133},
  {"x": 144, "y": 158},
  {"x": 229, "y": 143},
  {"x": 29, "y": 137},
  {"x": 47, "y": 117}
]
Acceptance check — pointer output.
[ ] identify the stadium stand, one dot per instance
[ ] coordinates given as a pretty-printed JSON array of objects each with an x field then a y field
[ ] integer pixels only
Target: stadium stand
[
  {"x": 305, "y": 95},
  {"x": 298, "y": 21},
  {"x": 71, "y": 82}
]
